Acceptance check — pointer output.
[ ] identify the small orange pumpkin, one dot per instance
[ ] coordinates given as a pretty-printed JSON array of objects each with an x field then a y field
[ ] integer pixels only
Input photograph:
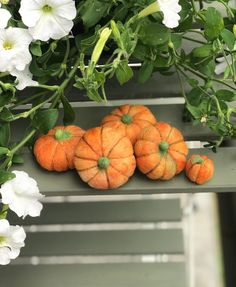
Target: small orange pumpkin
[
  {"x": 130, "y": 119},
  {"x": 104, "y": 158},
  {"x": 55, "y": 150},
  {"x": 199, "y": 169},
  {"x": 161, "y": 151}
]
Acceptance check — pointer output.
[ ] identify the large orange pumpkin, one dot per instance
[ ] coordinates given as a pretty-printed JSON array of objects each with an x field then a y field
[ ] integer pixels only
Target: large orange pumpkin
[
  {"x": 104, "y": 158},
  {"x": 199, "y": 168},
  {"x": 130, "y": 119},
  {"x": 161, "y": 151},
  {"x": 55, "y": 150}
]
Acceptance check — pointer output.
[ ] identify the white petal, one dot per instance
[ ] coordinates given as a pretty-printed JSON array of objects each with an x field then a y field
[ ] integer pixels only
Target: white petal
[
  {"x": 4, "y": 227},
  {"x": 5, "y": 16},
  {"x": 5, "y": 255},
  {"x": 24, "y": 78}
]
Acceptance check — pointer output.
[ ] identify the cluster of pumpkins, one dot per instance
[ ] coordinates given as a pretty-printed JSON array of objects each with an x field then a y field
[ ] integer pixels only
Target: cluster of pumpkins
[{"x": 105, "y": 157}]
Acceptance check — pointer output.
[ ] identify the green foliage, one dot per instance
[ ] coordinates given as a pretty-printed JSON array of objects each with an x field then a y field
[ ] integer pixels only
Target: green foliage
[{"x": 44, "y": 120}]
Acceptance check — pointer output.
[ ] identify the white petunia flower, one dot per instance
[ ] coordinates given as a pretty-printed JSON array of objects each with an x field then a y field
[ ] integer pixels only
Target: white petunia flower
[
  {"x": 48, "y": 18},
  {"x": 14, "y": 49},
  {"x": 5, "y": 16},
  {"x": 170, "y": 9},
  {"x": 24, "y": 78},
  {"x": 22, "y": 195},
  {"x": 11, "y": 240}
]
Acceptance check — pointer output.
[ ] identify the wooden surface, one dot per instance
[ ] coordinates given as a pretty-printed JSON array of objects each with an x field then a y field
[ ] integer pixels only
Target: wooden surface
[{"x": 93, "y": 275}]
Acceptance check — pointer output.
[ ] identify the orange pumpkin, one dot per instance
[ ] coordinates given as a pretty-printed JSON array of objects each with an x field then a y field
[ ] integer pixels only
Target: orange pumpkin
[
  {"x": 161, "y": 151},
  {"x": 130, "y": 120},
  {"x": 199, "y": 168},
  {"x": 55, "y": 150},
  {"x": 104, "y": 158}
]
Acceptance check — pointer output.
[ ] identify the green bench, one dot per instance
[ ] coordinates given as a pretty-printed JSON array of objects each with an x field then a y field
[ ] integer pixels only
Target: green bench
[{"x": 132, "y": 236}]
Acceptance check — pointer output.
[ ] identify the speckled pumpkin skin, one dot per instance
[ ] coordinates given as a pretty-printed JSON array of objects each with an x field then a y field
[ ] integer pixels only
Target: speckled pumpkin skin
[
  {"x": 57, "y": 155},
  {"x": 111, "y": 145},
  {"x": 140, "y": 117},
  {"x": 199, "y": 173},
  {"x": 161, "y": 151}
]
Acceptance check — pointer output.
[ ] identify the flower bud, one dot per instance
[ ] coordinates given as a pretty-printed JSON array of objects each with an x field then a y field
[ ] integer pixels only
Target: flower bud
[
  {"x": 234, "y": 30},
  {"x": 4, "y": 1}
]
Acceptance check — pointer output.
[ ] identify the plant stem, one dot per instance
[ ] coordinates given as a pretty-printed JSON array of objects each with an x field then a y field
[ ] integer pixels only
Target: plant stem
[
  {"x": 23, "y": 142},
  {"x": 46, "y": 87},
  {"x": 181, "y": 83},
  {"x": 205, "y": 78},
  {"x": 3, "y": 213}
]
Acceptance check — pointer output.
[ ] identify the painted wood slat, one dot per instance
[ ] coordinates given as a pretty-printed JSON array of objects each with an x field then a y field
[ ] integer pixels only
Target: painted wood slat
[
  {"x": 91, "y": 116},
  {"x": 94, "y": 275},
  {"x": 106, "y": 212},
  {"x": 69, "y": 183},
  {"x": 112, "y": 242}
]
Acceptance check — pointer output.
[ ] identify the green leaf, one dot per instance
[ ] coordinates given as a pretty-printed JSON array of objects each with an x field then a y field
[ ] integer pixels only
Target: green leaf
[
  {"x": 226, "y": 95},
  {"x": 18, "y": 159},
  {"x": 5, "y": 134},
  {"x": 154, "y": 34},
  {"x": 69, "y": 113},
  {"x": 228, "y": 38},
  {"x": 94, "y": 95},
  {"x": 203, "y": 51},
  {"x": 3, "y": 150},
  {"x": 6, "y": 115},
  {"x": 123, "y": 72},
  {"x": 145, "y": 72},
  {"x": 5, "y": 176},
  {"x": 176, "y": 39},
  {"x": 44, "y": 120},
  {"x": 93, "y": 11},
  {"x": 35, "y": 49},
  {"x": 214, "y": 23}
]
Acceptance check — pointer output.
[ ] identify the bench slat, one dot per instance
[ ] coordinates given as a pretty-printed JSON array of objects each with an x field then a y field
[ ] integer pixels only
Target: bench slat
[
  {"x": 91, "y": 116},
  {"x": 99, "y": 275},
  {"x": 110, "y": 242},
  {"x": 107, "y": 212},
  {"x": 69, "y": 183}
]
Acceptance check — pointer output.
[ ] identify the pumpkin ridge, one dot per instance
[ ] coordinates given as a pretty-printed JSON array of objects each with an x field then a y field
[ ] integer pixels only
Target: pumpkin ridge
[
  {"x": 159, "y": 133},
  {"x": 177, "y": 142},
  {"x": 154, "y": 167},
  {"x": 108, "y": 181},
  {"x": 199, "y": 173},
  {"x": 191, "y": 169},
  {"x": 115, "y": 145},
  {"x": 143, "y": 120},
  {"x": 54, "y": 155},
  {"x": 90, "y": 146},
  {"x": 178, "y": 151},
  {"x": 86, "y": 169},
  {"x": 147, "y": 154},
  {"x": 93, "y": 176},
  {"x": 86, "y": 158},
  {"x": 62, "y": 146},
  {"x": 167, "y": 138},
  {"x": 164, "y": 169},
  {"x": 118, "y": 171}
]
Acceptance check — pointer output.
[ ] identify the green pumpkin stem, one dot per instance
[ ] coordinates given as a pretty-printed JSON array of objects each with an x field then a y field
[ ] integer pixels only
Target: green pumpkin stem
[
  {"x": 127, "y": 119},
  {"x": 163, "y": 147},
  {"x": 197, "y": 160},
  {"x": 103, "y": 162},
  {"x": 62, "y": 135}
]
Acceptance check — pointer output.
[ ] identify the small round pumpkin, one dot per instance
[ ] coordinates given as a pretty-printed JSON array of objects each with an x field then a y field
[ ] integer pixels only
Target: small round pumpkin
[
  {"x": 130, "y": 119},
  {"x": 55, "y": 150},
  {"x": 161, "y": 151},
  {"x": 199, "y": 169},
  {"x": 104, "y": 158}
]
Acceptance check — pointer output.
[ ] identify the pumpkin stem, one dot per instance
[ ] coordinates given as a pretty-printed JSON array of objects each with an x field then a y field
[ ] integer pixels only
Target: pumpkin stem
[
  {"x": 127, "y": 119},
  {"x": 197, "y": 160},
  {"x": 163, "y": 147},
  {"x": 61, "y": 135},
  {"x": 103, "y": 162}
]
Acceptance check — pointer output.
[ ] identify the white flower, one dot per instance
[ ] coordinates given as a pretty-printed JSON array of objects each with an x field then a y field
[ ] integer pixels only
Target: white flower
[
  {"x": 24, "y": 78},
  {"x": 5, "y": 16},
  {"x": 14, "y": 49},
  {"x": 22, "y": 195},
  {"x": 170, "y": 9},
  {"x": 48, "y": 18},
  {"x": 11, "y": 240}
]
